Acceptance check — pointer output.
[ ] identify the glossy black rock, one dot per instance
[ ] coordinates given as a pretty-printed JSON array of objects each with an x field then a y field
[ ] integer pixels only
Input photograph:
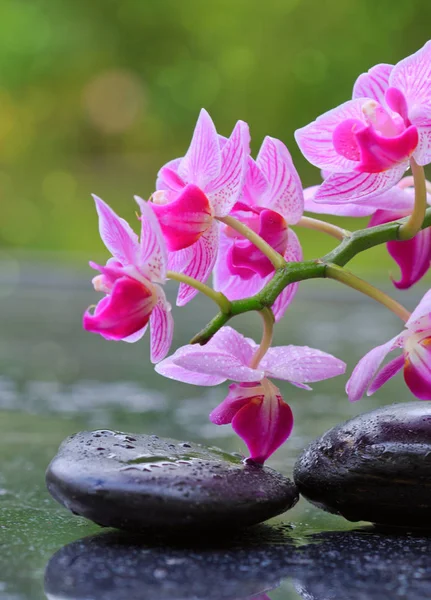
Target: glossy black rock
[
  {"x": 375, "y": 467},
  {"x": 142, "y": 482}
]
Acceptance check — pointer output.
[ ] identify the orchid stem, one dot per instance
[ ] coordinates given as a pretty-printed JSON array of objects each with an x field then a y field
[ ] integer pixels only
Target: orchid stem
[
  {"x": 276, "y": 259},
  {"x": 217, "y": 297},
  {"x": 348, "y": 278},
  {"x": 414, "y": 223},
  {"x": 265, "y": 344},
  {"x": 324, "y": 227}
]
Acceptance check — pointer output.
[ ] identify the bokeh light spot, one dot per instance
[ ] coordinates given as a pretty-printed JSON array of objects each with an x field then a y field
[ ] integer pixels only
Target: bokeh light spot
[{"x": 114, "y": 100}]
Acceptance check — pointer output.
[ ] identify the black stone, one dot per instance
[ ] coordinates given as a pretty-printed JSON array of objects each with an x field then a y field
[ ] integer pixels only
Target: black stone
[
  {"x": 142, "y": 482},
  {"x": 375, "y": 467}
]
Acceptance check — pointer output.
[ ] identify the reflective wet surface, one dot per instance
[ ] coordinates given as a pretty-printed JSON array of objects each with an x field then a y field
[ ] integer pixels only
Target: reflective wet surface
[{"x": 56, "y": 379}]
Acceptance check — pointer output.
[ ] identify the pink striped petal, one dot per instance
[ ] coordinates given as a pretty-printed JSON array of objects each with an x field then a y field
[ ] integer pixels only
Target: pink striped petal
[
  {"x": 238, "y": 396},
  {"x": 342, "y": 210},
  {"x": 422, "y": 310},
  {"x": 169, "y": 183},
  {"x": 374, "y": 83},
  {"x": 153, "y": 256},
  {"x": 116, "y": 233},
  {"x": 219, "y": 362},
  {"x": 422, "y": 154},
  {"x": 412, "y": 76},
  {"x": 316, "y": 140},
  {"x": 184, "y": 220},
  {"x": 255, "y": 185},
  {"x": 202, "y": 163},
  {"x": 284, "y": 194},
  {"x": 168, "y": 368},
  {"x": 224, "y": 190},
  {"x": 301, "y": 364},
  {"x": 346, "y": 187},
  {"x": 367, "y": 368},
  {"x": 264, "y": 425},
  {"x": 203, "y": 257},
  {"x": 417, "y": 367},
  {"x": 293, "y": 253},
  {"x": 161, "y": 328},
  {"x": 124, "y": 312},
  {"x": 241, "y": 347},
  {"x": 388, "y": 371}
]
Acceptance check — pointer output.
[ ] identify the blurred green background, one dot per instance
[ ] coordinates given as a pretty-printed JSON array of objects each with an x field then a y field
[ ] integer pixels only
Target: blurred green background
[{"x": 95, "y": 95}]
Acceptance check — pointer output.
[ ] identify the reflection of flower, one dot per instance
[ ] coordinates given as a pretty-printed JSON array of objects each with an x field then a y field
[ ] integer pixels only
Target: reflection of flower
[
  {"x": 272, "y": 200},
  {"x": 132, "y": 282},
  {"x": 254, "y": 404},
  {"x": 415, "y": 342},
  {"x": 366, "y": 142},
  {"x": 192, "y": 190}
]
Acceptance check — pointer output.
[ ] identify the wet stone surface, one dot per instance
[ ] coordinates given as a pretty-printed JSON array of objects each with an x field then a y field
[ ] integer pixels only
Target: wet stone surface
[
  {"x": 143, "y": 482},
  {"x": 375, "y": 467}
]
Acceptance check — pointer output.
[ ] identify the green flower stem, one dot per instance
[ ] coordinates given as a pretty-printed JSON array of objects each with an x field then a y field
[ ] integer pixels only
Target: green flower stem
[
  {"x": 348, "y": 278},
  {"x": 265, "y": 344},
  {"x": 217, "y": 297},
  {"x": 414, "y": 223},
  {"x": 324, "y": 227},
  {"x": 276, "y": 259},
  {"x": 312, "y": 269}
]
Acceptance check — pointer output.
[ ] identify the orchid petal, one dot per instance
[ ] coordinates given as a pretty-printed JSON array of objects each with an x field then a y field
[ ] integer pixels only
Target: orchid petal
[
  {"x": 413, "y": 258},
  {"x": 412, "y": 76},
  {"x": 374, "y": 83},
  {"x": 388, "y": 371},
  {"x": 161, "y": 328},
  {"x": 379, "y": 153},
  {"x": 417, "y": 370},
  {"x": 238, "y": 396},
  {"x": 168, "y": 368},
  {"x": 202, "y": 161},
  {"x": 423, "y": 309},
  {"x": 264, "y": 426},
  {"x": 153, "y": 256},
  {"x": 293, "y": 253},
  {"x": 284, "y": 194},
  {"x": 367, "y": 368},
  {"x": 346, "y": 187},
  {"x": 204, "y": 254},
  {"x": 217, "y": 362},
  {"x": 116, "y": 233},
  {"x": 301, "y": 364},
  {"x": 341, "y": 210},
  {"x": 226, "y": 188},
  {"x": 124, "y": 312},
  {"x": 255, "y": 185},
  {"x": 163, "y": 183},
  {"x": 316, "y": 139},
  {"x": 185, "y": 219},
  {"x": 241, "y": 347},
  {"x": 422, "y": 154},
  {"x": 135, "y": 337}
]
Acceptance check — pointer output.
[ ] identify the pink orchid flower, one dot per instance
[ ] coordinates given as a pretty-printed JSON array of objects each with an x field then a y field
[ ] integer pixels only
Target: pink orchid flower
[
  {"x": 412, "y": 256},
  {"x": 132, "y": 281},
  {"x": 415, "y": 342},
  {"x": 254, "y": 404},
  {"x": 367, "y": 142},
  {"x": 272, "y": 200},
  {"x": 195, "y": 189}
]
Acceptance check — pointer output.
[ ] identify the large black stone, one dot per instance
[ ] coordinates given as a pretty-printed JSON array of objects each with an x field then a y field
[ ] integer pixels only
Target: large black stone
[
  {"x": 375, "y": 467},
  {"x": 141, "y": 482}
]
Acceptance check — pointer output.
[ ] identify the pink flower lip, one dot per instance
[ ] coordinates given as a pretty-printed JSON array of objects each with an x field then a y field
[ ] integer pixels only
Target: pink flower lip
[
  {"x": 184, "y": 220},
  {"x": 126, "y": 310}
]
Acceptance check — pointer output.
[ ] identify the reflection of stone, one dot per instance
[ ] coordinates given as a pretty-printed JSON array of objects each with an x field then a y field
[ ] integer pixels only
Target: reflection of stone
[
  {"x": 375, "y": 467},
  {"x": 135, "y": 481},
  {"x": 365, "y": 565},
  {"x": 120, "y": 566}
]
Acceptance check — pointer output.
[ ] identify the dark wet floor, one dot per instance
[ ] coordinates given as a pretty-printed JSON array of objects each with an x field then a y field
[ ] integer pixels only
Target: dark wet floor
[{"x": 56, "y": 379}]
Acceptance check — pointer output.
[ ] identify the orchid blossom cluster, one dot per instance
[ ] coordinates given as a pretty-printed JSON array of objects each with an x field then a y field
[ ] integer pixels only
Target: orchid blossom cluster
[{"x": 219, "y": 211}]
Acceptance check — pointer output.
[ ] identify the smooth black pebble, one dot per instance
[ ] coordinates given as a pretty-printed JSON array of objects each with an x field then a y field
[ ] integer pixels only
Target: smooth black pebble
[
  {"x": 143, "y": 482},
  {"x": 375, "y": 467}
]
